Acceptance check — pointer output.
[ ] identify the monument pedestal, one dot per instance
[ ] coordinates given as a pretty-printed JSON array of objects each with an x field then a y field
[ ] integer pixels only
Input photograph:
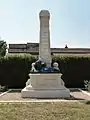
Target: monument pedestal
[{"x": 45, "y": 86}]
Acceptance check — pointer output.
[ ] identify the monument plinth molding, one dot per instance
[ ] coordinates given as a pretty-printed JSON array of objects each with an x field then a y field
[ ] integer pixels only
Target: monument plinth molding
[{"x": 45, "y": 86}]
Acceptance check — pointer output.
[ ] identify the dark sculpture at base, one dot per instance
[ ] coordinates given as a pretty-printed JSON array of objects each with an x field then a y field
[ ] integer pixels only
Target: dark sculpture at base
[{"x": 41, "y": 67}]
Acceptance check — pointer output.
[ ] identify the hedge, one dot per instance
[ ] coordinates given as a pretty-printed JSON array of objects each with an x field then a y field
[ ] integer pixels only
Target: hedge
[
  {"x": 14, "y": 70},
  {"x": 75, "y": 70}
]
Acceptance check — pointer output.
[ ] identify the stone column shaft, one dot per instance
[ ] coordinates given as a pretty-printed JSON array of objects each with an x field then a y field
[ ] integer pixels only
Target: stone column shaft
[{"x": 44, "y": 44}]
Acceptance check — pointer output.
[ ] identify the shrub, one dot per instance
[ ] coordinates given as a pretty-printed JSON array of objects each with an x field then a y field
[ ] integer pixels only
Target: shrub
[
  {"x": 14, "y": 70},
  {"x": 75, "y": 69},
  {"x": 3, "y": 88},
  {"x": 87, "y": 85}
]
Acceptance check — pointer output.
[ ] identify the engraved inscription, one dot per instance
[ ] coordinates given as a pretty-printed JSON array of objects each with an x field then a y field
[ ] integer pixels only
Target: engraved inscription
[{"x": 47, "y": 83}]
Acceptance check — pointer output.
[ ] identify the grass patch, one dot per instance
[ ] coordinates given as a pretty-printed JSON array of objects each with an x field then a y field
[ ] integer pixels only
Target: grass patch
[{"x": 44, "y": 111}]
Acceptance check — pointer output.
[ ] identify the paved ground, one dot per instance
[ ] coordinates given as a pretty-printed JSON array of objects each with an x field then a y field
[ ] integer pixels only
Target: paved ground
[{"x": 15, "y": 95}]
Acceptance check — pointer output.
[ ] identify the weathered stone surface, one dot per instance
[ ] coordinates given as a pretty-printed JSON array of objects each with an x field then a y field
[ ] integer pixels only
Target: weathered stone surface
[
  {"x": 45, "y": 86},
  {"x": 45, "y": 81},
  {"x": 44, "y": 45}
]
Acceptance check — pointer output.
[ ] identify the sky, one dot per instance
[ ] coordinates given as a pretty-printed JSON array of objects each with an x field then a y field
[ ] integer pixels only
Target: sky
[{"x": 69, "y": 22}]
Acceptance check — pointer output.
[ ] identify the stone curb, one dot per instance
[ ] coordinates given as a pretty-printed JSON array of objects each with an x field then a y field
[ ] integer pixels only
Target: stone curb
[
  {"x": 21, "y": 101},
  {"x": 5, "y": 92},
  {"x": 41, "y": 100},
  {"x": 87, "y": 93}
]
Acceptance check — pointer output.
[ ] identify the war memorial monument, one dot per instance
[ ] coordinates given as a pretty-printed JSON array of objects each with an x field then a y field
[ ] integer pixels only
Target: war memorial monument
[{"x": 45, "y": 78}]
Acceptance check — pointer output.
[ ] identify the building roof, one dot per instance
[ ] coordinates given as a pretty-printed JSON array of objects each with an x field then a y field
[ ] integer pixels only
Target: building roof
[{"x": 34, "y": 48}]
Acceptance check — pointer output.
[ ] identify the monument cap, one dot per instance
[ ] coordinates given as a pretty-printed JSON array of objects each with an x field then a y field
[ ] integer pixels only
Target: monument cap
[{"x": 44, "y": 13}]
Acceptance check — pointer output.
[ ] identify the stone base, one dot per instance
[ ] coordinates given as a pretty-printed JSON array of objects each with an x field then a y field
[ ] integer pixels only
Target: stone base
[
  {"x": 55, "y": 93},
  {"x": 45, "y": 86}
]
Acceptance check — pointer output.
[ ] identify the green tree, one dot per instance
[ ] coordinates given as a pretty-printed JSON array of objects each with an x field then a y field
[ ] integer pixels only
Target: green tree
[{"x": 3, "y": 47}]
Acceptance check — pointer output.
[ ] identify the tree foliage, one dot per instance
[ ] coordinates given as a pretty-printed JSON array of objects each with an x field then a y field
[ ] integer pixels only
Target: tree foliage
[{"x": 3, "y": 47}]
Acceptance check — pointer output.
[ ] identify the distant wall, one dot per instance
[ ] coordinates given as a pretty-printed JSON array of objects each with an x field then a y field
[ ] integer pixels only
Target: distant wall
[{"x": 33, "y": 48}]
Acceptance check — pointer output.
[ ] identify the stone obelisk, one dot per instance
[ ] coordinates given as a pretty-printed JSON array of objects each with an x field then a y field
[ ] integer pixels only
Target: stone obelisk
[
  {"x": 44, "y": 43},
  {"x": 45, "y": 85}
]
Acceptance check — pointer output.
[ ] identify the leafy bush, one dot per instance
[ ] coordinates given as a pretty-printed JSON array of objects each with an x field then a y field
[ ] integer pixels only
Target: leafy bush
[
  {"x": 14, "y": 70},
  {"x": 75, "y": 69},
  {"x": 87, "y": 85},
  {"x": 3, "y": 88}
]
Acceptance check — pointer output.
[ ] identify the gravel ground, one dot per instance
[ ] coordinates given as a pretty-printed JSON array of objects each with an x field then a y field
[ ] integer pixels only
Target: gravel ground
[{"x": 16, "y": 96}]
